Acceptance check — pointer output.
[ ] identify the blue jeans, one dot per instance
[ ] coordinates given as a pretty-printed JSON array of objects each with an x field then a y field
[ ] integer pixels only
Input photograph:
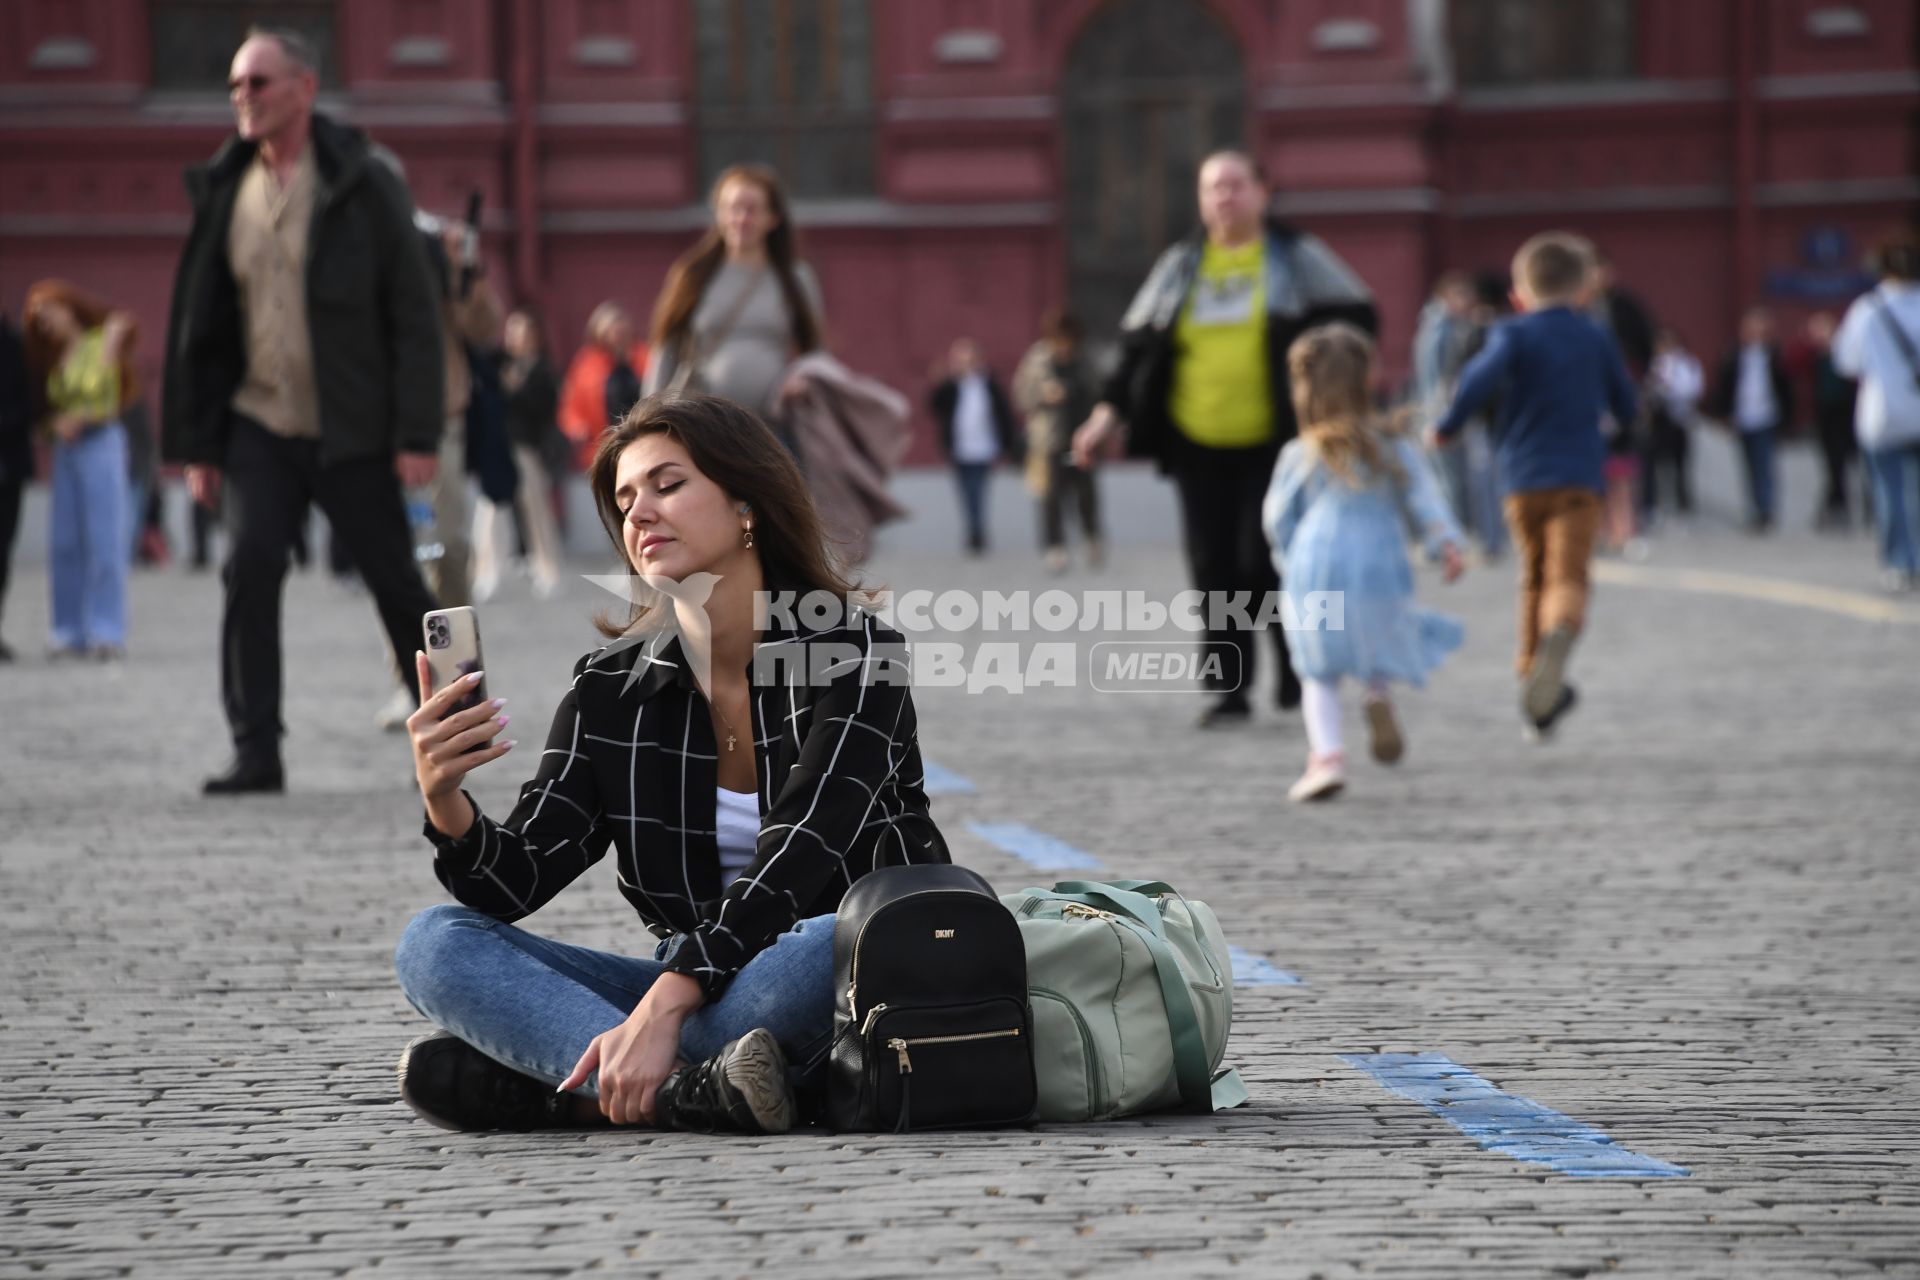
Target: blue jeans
[
  {"x": 1757, "y": 448},
  {"x": 1472, "y": 488},
  {"x": 973, "y": 478},
  {"x": 535, "y": 1004},
  {"x": 1895, "y": 473},
  {"x": 90, "y": 537}
]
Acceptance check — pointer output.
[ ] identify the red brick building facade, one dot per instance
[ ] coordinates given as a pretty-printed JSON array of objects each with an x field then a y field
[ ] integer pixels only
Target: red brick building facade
[{"x": 961, "y": 164}]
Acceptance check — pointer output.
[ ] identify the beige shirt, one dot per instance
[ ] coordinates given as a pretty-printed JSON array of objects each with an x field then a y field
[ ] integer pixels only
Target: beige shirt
[
  {"x": 267, "y": 249},
  {"x": 471, "y": 321}
]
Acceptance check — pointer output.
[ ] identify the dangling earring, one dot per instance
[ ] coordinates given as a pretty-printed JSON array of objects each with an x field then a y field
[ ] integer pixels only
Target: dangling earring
[{"x": 746, "y": 538}]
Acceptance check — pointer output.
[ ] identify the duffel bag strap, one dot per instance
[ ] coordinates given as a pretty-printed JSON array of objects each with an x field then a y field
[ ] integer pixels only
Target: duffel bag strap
[{"x": 1190, "y": 1065}]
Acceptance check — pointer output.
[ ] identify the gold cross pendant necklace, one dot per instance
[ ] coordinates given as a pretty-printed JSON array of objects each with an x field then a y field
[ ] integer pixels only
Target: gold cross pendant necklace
[{"x": 731, "y": 739}]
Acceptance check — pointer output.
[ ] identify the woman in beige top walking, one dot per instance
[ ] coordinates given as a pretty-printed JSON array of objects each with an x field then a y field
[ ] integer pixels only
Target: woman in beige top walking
[{"x": 739, "y": 306}]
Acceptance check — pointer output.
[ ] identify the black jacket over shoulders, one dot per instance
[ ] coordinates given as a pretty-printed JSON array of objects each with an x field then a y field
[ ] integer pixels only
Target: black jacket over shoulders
[
  {"x": 631, "y": 762},
  {"x": 1721, "y": 400},
  {"x": 944, "y": 399},
  {"x": 373, "y": 310},
  {"x": 1306, "y": 285}
]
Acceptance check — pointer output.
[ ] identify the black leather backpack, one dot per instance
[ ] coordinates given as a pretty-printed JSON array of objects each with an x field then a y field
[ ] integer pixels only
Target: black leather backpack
[{"x": 931, "y": 1024}]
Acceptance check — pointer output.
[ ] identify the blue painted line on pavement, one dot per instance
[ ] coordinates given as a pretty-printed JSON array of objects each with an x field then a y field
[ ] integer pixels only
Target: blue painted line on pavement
[
  {"x": 1034, "y": 848},
  {"x": 1250, "y": 970},
  {"x": 1503, "y": 1123},
  {"x": 942, "y": 781}
]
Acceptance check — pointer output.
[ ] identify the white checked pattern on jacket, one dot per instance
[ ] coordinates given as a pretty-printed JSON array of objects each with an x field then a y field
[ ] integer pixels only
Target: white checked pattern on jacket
[{"x": 631, "y": 761}]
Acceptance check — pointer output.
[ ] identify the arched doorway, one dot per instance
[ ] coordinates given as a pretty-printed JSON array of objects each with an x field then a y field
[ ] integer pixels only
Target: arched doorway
[{"x": 1151, "y": 86}]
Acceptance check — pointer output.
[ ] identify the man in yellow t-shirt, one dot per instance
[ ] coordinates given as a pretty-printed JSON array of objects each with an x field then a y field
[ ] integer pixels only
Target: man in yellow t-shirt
[
  {"x": 1201, "y": 387},
  {"x": 1220, "y": 397}
]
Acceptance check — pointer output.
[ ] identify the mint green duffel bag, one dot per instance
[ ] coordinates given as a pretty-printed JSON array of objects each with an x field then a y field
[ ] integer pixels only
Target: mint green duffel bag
[{"x": 1132, "y": 993}]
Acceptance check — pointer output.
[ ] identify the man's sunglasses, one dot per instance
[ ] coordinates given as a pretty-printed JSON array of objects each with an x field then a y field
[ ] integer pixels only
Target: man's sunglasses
[{"x": 252, "y": 84}]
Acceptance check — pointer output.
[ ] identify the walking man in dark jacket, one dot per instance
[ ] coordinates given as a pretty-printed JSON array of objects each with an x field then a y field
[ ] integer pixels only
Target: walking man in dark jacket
[
  {"x": 303, "y": 365},
  {"x": 1201, "y": 387},
  {"x": 1753, "y": 395},
  {"x": 976, "y": 432}
]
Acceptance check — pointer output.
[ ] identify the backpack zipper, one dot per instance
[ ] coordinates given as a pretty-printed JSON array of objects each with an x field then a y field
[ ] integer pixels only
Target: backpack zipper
[{"x": 899, "y": 1044}]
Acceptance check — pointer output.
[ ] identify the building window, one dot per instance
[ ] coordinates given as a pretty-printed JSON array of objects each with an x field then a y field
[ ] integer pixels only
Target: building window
[
  {"x": 788, "y": 83},
  {"x": 193, "y": 41},
  {"x": 1515, "y": 42}
]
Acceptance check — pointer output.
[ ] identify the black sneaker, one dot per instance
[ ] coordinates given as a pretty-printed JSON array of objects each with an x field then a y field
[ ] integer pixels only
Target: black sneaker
[
  {"x": 453, "y": 1085},
  {"x": 742, "y": 1089},
  {"x": 1539, "y": 730},
  {"x": 245, "y": 776},
  {"x": 1230, "y": 711}
]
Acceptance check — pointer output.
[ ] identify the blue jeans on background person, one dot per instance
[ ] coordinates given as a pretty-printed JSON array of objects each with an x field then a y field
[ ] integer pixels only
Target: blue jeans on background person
[
  {"x": 973, "y": 477},
  {"x": 1895, "y": 474},
  {"x": 137, "y": 494},
  {"x": 535, "y": 1004},
  {"x": 1757, "y": 448},
  {"x": 1469, "y": 478},
  {"x": 89, "y": 540}
]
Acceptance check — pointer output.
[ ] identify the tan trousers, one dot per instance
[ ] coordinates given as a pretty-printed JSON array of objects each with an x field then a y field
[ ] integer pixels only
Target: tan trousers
[{"x": 1553, "y": 532}]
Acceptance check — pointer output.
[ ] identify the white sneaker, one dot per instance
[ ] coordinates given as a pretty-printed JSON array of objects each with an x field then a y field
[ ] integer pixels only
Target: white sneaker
[
  {"x": 392, "y": 715},
  {"x": 1326, "y": 777},
  {"x": 484, "y": 587}
]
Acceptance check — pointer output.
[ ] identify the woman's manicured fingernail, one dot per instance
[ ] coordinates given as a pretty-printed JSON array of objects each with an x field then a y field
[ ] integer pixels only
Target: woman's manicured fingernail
[
  {"x": 499, "y": 703},
  {"x": 502, "y": 720},
  {"x": 510, "y": 745},
  {"x": 474, "y": 678}
]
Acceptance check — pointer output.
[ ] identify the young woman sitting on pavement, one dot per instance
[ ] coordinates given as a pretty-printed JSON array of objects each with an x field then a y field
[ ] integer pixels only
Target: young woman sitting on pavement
[{"x": 740, "y": 806}]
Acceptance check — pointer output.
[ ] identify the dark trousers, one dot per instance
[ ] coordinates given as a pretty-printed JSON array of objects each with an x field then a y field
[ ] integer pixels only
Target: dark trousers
[
  {"x": 1068, "y": 486},
  {"x": 204, "y": 522},
  {"x": 1757, "y": 448},
  {"x": 11, "y": 488},
  {"x": 973, "y": 478},
  {"x": 1665, "y": 453},
  {"x": 269, "y": 483},
  {"x": 1220, "y": 495},
  {"x": 1837, "y": 447}
]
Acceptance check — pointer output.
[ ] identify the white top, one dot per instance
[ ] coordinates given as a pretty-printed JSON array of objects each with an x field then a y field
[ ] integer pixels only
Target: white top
[
  {"x": 1678, "y": 380},
  {"x": 736, "y": 820},
  {"x": 1887, "y": 413},
  {"x": 1753, "y": 406},
  {"x": 974, "y": 439}
]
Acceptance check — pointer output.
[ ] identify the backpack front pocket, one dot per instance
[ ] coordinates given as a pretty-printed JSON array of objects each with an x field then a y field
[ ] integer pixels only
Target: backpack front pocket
[{"x": 951, "y": 1066}]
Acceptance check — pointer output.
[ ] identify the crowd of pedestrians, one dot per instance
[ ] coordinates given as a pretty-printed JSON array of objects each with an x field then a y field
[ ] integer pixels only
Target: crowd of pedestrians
[{"x": 330, "y": 345}]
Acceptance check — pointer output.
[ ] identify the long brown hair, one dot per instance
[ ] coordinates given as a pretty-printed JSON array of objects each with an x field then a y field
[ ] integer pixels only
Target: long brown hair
[
  {"x": 43, "y": 353},
  {"x": 1330, "y": 369},
  {"x": 694, "y": 270},
  {"x": 736, "y": 450}
]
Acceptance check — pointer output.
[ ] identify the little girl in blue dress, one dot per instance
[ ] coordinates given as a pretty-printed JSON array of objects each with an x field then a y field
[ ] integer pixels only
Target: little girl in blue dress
[{"x": 1337, "y": 513}]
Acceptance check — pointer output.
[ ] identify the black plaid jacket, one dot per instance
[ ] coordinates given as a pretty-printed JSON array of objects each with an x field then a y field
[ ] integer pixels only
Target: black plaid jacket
[{"x": 631, "y": 762}]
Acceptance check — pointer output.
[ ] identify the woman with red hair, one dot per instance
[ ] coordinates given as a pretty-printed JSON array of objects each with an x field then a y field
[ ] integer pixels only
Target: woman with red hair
[{"x": 78, "y": 362}]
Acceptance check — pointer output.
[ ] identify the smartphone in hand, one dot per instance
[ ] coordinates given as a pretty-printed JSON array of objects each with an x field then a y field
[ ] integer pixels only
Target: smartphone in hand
[{"x": 453, "y": 651}]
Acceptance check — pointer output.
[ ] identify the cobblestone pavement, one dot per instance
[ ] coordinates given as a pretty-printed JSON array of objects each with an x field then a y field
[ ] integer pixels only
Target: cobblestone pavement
[{"x": 1689, "y": 922}]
